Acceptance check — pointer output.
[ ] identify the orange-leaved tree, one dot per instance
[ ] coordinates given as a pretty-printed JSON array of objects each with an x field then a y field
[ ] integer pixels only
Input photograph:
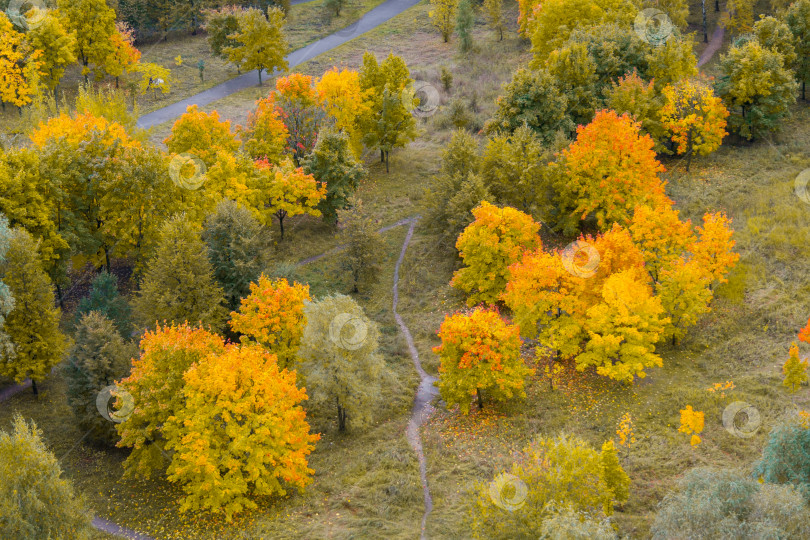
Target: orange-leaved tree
[
  {"x": 265, "y": 135},
  {"x": 496, "y": 239},
  {"x": 156, "y": 384},
  {"x": 241, "y": 433},
  {"x": 550, "y": 293},
  {"x": 273, "y": 316},
  {"x": 285, "y": 190},
  {"x": 480, "y": 352},
  {"x": 201, "y": 134},
  {"x": 608, "y": 171},
  {"x": 694, "y": 118}
]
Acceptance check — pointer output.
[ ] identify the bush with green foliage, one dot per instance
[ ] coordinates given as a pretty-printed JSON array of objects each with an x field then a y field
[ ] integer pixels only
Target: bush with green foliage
[
  {"x": 365, "y": 248},
  {"x": 98, "y": 358},
  {"x": 179, "y": 284},
  {"x": 531, "y": 98},
  {"x": 342, "y": 367},
  {"x": 757, "y": 103},
  {"x": 35, "y": 501},
  {"x": 718, "y": 503},
  {"x": 786, "y": 457},
  {"x": 465, "y": 19},
  {"x": 105, "y": 299},
  {"x": 332, "y": 163},
  {"x": 238, "y": 249}
]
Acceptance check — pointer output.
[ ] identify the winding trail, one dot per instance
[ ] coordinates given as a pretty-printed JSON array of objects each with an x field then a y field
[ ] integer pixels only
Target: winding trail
[
  {"x": 714, "y": 44},
  {"x": 426, "y": 392},
  {"x": 371, "y": 20},
  {"x": 117, "y": 530}
]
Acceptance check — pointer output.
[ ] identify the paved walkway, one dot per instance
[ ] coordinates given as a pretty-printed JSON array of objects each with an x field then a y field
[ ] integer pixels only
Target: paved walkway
[
  {"x": 714, "y": 43},
  {"x": 371, "y": 20}
]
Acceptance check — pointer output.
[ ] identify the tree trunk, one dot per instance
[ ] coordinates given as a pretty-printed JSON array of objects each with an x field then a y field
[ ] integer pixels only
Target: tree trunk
[
  {"x": 260, "y": 77},
  {"x": 717, "y": 5},
  {"x": 281, "y": 224},
  {"x": 34, "y": 387},
  {"x": 804, "y": 84},
  {"x": 480, "y": 400},
  {"x": 705, "y": 30},
  {"x": 59, "y": 295},
  {"x": 500, "y": 30},
  {"x": 107, "y": 259},
  {"x": 341, "y": 416},
  {"x": 382, "y": 155},
  {"x": 386, "y": 161}
]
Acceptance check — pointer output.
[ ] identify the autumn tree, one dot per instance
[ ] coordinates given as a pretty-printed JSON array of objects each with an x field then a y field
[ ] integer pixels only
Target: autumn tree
[
  {"x": 534, "y": 99},
  {"x": 33, "y": 324},
  {"x": 672, "y": 61},
  {"x": 153, "y": 77},
  {"x": 692, "y": 422},
  {"x": 514, "y": 168},
  {"x": 333, "y": 165},
  {"x": 479, "y": 353},
  {"x": 795, "y": 370},
  {"x": 240, "y": 434},
  {"x": 496, "y": 239},
  {"x": 494, "y": 12},
  {"x": 623, "y": 329},
  {"x": 58, "y": 48},
  {"x": 265, "y": 133},
  {"x": 96, "y": 360},
  {"x": 261, "y": 42},
  {"x": 238, "y": 249},
  {"x": 740, "y": 16},
  {"x": 202, "y": 134},
  {"x": 552, "y": 25},
  {"x": 286, "y": 191},
  {"x": 220, "y": 24},
  {"x": 443, "y": 14},
  {"x": 105, "y": 300},
  {"x": 676, "y": 10},
  {"x": 757, "y": 103},
  {"x": 37, "y": 501},
  {"x": 365, "y": 248},
  {"x": 272, "y": 315},
  {"x": 179, "y": 283},
  {"x": 776, "y": 35},
  {"x": 573, "y": 69},
  {"x": 25, "y": 199},
  {"x": 798, "y": 20},
  {"x": 694, "y": 118},
  {"x": 20, "y": 66},
  {"x": 608, "y": 171},
  {"x": 387, "y": 122},
  {"x": 123, "y": 55},
  {"x": 553, "y": 473},
  {"x": 632, "y": 95},
  {"x": 344, "y": 371},
  {"x": 298, "y": 107},
  {"x": 344, "y": 102},
  {"x": 93, "y": 23},
  {"x": 156, "y": 385}
]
